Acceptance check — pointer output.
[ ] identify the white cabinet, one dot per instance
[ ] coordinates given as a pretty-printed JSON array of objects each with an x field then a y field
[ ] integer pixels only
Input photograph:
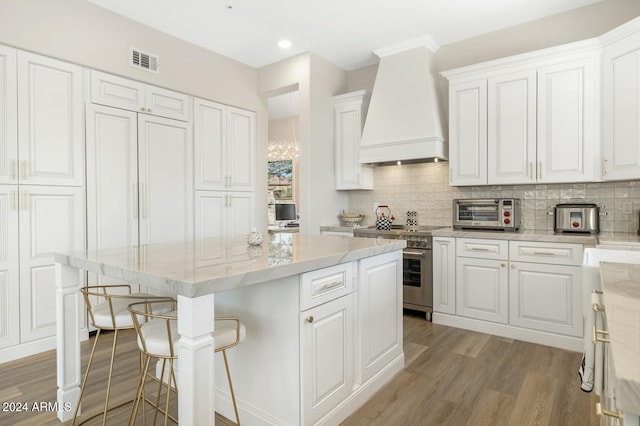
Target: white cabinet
[
  {"x": 224, "y": 147},
  {"x": 444, "y": 275},
  {"x": 468, "y": 133},
  {"x": 50, "y": 122},
  {"x": 51, "y": 220},
  {"x": 350, "y": 110},
  {"x": 482, "y": 289},
  {"x": 621, "y": 103},
  {"x": 140, "y": 180},
  {"x": 526, "y": 119},
  {"x": 327, "y": 363},
  {"x": 223, "y": 214},
  {"x": 380, "y": 305},
  {"x": 511, "y": 128},
  {"x": 9, "y": 276},
  {"x": 8, "y": 116},
  {"x": 111, "y": 90}
]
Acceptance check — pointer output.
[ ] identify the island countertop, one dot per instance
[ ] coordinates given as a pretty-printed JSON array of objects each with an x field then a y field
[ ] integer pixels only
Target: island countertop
[{"x": 215, "y": 265}]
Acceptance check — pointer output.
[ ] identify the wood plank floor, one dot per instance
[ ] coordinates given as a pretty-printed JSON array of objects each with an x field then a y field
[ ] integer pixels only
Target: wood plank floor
[
  {"x": 457, "y": 377},
  {"x": 452, "y": 377}
]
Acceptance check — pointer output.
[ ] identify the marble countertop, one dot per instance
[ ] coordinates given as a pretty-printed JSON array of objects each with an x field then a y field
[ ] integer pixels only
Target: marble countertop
[
  {"x": 214, "y": 265},
  {"x": 339, "y": 228},
  {"x": 621, "y": 287},
  {"x": 522, "y": 235}
]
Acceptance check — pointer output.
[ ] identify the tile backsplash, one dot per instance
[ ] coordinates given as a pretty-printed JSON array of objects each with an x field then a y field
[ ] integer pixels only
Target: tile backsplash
[{"x": 424, "y": 188}]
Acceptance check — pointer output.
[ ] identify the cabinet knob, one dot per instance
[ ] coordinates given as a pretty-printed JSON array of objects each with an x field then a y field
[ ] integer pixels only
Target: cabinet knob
[
  {"x": 503, "y": 265},
  {"x": 148, "y": 109},
  {"x": 309, "y": 319},
  {"x": 513, "y": 266}
]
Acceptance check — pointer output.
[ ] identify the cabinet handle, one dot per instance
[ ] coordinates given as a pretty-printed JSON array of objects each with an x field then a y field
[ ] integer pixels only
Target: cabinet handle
[
  {"x": 25, "y": 205},
  {"x": 544, "y": 253},
  {"x": 604, "y": 167},
  {"x": 309, "y": 319},
  {"x": 333, "y": 284},
  {"x": 530, "y": 169},
  {"x": 144, "y": 200},
  {"x": 540, "y": 170},
  {"x": 14, "y": 200},
  {"x": 14, "y": 169},
  {"x": 601, "y": 412},
  {"x": 597, "y": 308},
  {"x": 597, "y": 339},
  {"x": 478, "y": 249},
  {"x": 134, "y": 192},
  {"x": 229, "y": 200},
  {"x": 24, "y": 169}
]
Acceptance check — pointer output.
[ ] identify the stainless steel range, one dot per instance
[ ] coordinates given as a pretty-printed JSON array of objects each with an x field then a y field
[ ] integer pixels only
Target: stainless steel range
[{"x": 417, "y": 263}]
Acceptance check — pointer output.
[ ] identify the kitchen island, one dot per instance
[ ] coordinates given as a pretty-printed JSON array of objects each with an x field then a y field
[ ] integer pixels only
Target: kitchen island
[{"x": 323, "y": 317}]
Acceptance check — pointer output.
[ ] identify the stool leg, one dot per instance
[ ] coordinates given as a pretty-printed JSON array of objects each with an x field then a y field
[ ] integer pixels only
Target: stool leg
[
  {"x": 139, "y": 392},
  {"x": 86, "y": 375},
  {"x": 113, "y": 356},
  {"x": 233, "y": 396}
]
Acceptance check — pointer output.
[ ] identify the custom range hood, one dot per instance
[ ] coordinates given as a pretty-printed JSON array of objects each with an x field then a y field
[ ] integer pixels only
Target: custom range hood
[{"x": 405, "y": 118}]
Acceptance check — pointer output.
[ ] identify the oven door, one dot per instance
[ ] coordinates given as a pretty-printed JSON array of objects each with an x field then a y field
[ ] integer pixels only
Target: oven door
[
  {"x": 417, "y": 279},
  {"x": 477, "y": 214}
]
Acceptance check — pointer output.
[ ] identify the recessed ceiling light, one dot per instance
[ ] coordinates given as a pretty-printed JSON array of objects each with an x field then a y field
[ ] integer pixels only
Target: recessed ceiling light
[{"x": 284, "y": 44}]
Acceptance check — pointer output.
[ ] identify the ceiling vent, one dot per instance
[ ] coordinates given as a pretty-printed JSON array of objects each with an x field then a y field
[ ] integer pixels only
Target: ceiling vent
[{"x": 146, "y": 61}]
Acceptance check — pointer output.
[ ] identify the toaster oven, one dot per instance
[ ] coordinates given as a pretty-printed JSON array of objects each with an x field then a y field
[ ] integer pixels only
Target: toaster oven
[{"x": 487, "y": 213}]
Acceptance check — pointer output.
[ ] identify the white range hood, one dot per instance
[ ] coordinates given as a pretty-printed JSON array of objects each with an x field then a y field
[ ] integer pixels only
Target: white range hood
[{"x": 405, "y": 118}]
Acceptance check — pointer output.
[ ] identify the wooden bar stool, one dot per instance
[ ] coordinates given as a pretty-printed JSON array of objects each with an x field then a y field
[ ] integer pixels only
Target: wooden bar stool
[
  {"x": 107, "y": 306},
  {"x": 158, "y": 338}
]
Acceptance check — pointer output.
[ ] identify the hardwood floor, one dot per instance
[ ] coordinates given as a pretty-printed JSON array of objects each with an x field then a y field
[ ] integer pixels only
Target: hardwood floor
[
  {"x": 451, "y": 377},
  {"x": 457, "y": 377}
]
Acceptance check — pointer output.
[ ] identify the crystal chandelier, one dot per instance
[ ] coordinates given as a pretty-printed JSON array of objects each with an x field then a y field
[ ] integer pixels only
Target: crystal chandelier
[{"x": 282, "y": 150}]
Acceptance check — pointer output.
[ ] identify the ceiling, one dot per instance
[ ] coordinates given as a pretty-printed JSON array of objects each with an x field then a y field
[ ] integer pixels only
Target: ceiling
[{"x": 345, "y": 32}]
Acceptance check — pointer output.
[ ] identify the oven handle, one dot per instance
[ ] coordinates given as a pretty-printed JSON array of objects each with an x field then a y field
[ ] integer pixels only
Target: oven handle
[{"x": 416, "y": 253}]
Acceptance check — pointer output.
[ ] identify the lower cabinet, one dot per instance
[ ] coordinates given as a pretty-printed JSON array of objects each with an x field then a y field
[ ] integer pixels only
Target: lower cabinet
[
  {"x": 482, "y": 289},
  {"x": 522, "y": 289},
  {"x": 327, "y": 363}
]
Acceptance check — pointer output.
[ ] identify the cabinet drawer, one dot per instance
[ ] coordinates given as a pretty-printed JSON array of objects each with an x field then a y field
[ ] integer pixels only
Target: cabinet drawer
[
  {"x": 544, "y": 252},
  {"x": 484, "y": 249},
  {"x": 323, "y": 285}
]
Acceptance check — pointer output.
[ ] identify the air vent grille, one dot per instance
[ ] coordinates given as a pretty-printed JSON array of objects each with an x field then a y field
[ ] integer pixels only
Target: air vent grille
[{"x": 144, "y": 60}]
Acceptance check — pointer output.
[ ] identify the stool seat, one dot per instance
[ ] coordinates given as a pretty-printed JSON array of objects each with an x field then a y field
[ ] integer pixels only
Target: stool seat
[
  {"x": 228, "y": 333},
  {"x": 119, "y": 306}
]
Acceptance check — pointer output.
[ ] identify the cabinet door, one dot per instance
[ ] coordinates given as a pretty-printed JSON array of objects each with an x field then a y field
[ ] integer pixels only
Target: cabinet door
[
  {"x": 8, "y": 116},
  {"x": 348, "y": 121},
  {"x": 165, "y": 161},
  {"x": 380, "y": 304},
  {"x": 566, "y": 121},
  {"x": 241, "y": 142},
  {"x": 210, "y": 130},
  {"x": 327, "y": 338},
  {"x": 482, "y": 289},
  {"x": 240, "y": 213},
  {"x": 9, "y": 278},
  {"x": 512, "y": 128},
  {"x": 210, "y": 217},
  {"x": 51, "y": 220},
  {"x": 468, "y": 133},
  {"x": 50, "y": 121},
  {"x": 112, "y": 177},
  {"x": 111, "y": 90},
  {"x": 167, "y": 103},
  {"x": 546, "y": 297},
  {"x": 444, "y": 275},
  {"x": 621, "y": 109}
]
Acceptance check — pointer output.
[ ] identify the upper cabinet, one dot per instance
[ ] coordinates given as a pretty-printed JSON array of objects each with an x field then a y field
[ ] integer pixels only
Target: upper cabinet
[
  {"x": 621, "y": 103},
  {"x": 49, "y": 148},
  {"x": 530, "y": 118},
  {"x": 110, "y": 90},
  {"x": 350, "y": 111},
  {"x": 224, "y": 147}
]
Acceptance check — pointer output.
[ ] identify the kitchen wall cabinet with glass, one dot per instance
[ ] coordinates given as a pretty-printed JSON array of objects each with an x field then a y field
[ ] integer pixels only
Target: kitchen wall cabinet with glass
[
  {"x": 531, "y": 118},
  {"x": 225, "y": 145},
  {"x": 41, "y": 192},
  {"x": 350, "y": 111}
]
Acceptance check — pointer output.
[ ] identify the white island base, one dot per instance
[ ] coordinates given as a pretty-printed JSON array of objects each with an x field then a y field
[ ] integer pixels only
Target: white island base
[{"x": 323, "y": 318}]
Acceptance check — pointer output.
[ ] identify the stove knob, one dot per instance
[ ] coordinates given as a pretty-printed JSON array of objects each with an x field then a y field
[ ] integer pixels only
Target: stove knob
[
  {"x": 507, "y": 221},
  {"x": 576, "y": 224},
  {"x": 507, "y": 214}
]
